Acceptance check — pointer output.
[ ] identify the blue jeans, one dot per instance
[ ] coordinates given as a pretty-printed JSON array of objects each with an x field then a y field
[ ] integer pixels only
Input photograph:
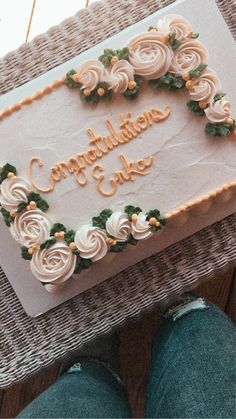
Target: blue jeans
[{"x": 192, "y": 375}]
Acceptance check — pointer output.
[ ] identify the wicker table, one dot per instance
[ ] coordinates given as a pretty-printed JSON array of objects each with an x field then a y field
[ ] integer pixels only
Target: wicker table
[{"x": 27, "y": 344}]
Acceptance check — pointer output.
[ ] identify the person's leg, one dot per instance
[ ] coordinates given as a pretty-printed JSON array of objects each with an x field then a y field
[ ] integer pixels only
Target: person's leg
[
  {"x": 90, "y": 388},
  {"x": 193, "y": 364}
]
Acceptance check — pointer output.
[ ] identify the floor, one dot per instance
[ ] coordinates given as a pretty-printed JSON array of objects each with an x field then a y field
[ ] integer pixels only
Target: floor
[{"x": 134, "y": 352}]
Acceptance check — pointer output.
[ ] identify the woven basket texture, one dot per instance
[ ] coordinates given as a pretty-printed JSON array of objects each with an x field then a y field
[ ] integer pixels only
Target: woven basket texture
[{"x": 26, "y": 344}]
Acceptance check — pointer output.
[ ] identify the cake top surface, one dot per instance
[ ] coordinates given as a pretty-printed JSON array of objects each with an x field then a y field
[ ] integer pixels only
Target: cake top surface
[{"x": 151, "y": 152}]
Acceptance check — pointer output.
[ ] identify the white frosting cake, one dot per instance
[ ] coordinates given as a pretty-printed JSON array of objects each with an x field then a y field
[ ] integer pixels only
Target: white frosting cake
[{"x": 153, "y": 153}]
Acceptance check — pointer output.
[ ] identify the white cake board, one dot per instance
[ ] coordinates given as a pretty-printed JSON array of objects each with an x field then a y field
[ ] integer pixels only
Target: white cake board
[{"x": 205, "y": 16}]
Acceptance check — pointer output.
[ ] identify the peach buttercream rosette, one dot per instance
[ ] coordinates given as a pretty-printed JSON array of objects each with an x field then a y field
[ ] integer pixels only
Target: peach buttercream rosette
[
  {"x": 188, "y": 56},
  {"x": 218, "y": 111},
  {"x": 149, "y": 55},
  {"x": 91, "y": 242},
  {"x": 89, "y": 74},
  {"x": 118, "y": 226},
  {"x": 53, "y": 265},
  {"x": 31, "y": 228},
  {"x": 205, "y": 87},
  {"x": 177, "y": 24},
  {"x": 14, "y": 190},
  {"x": 119, "y": 76}
]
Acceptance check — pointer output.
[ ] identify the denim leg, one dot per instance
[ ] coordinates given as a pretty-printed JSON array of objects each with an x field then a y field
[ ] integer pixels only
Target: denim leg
[
  {"x": 89, "y": 389},
  {"x": 193, "y": 373}
]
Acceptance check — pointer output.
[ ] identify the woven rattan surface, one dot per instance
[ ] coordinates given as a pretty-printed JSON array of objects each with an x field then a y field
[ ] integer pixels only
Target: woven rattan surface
[{"x": 27, "y": 344}]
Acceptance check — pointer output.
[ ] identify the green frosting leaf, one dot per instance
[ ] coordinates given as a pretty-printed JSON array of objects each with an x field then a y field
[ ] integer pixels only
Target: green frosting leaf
[
  {"x": 131, "y": 94},
  {"x": 131, "y": 240},
  {"x": 121, "y": 54},
  {"x": 8, "y": 168},
  {"x": 154, "y": 84},
  {"x": 219, "y": 96},
  {"x": 47, "y": 243},
  {"x": 21, "y": 207},
  {"x": 40, "y": 202},
  {"x": 153, "y": 213},
  {"x": 106, "y": 57},
  {"x": 119, "y": 247},
  {"x": 220, "y": 129},
  {"x": 24, "y": 253},
  {"x": 130, "y": 210},
  {"x": 100, "y": 221},
  {"x": 69, "y": 80},
  {"x": 169, "y": 81},
  {"x": 81, "y": 263},
  {"x": 69, "y": 236},
  {"x": 8, "y": 219},
  {"x": 56, "y": 228},
  {"x": 174, "y": 43},
  {"x": 162, "y": 220},
  {"x": 197, "y": 71},
  {"x": 195, "y": 35},
  {"x": 94, "y": 97},
  {"x": 194, "y": 107}
]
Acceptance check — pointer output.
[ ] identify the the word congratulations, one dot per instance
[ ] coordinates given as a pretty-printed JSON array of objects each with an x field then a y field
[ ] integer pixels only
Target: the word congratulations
[{"x": 99, "y": 146}]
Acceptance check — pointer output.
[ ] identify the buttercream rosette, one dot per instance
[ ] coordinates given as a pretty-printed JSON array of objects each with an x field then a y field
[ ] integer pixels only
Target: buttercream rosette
[
  {"x": 149, "y": 55},
  {"x": 141, "y": 228},
  {"x": 89, "y": 74},
  {"x": 206, "y": 86},
  {"x": 177, "y": 24},
  {"x": 218, "y": 111},
  {"x": 91, "y": 242},
  {"x": 188, "y": 56},
  {"x": 53, "y": 265},
  {"x": 31, "y": 228},
  {"x": 119, "y": 76},
  {"x": 118, "y": 226},
  {"x": 14, "y": 191}
]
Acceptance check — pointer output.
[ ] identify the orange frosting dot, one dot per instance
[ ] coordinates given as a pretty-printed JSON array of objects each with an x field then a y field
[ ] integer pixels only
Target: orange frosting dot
[
  {"x": 114, "y": 59},
  {"x": 134, "y": 217},
  {"x": 33, "y": 204},
  {"x": 229, "y": 121},
  {"x": 185, "y": 76},
  {"x": 152, "y": 221},
  {"x": 202, "y": 105},
  {"x": 165, "y": 38},
  {"x": 101, "y": 91},
  {"x": 87, "y": 92},
  {"x": 132, "y": 84},
  {"x": 72, "y": 246},
  {"x": 189, "y": 84}
]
